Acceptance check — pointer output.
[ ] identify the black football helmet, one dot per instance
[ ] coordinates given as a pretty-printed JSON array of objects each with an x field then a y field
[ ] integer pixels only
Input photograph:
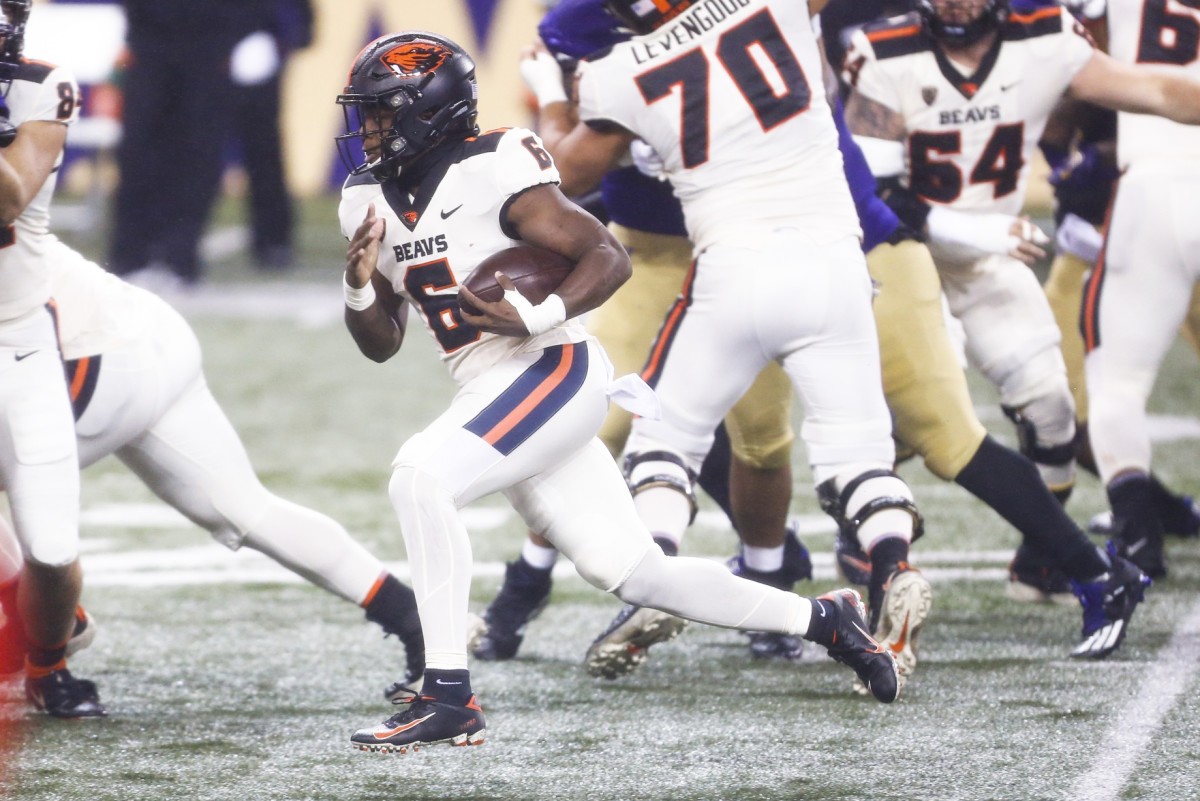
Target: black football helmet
[
  {"x": 643, "y": 16},
  {"x": 421, "y": 89},
  {"x": 960, "y": 34}
]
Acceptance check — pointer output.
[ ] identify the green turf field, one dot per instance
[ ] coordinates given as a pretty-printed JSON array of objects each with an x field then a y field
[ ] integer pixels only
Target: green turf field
[{"x": 227, "y": 679}]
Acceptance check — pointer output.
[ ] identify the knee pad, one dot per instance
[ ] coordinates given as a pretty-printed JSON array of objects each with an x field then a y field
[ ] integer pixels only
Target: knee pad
[
  {"x": 1046, "y": 433},
  {"x": 865, "y": 495},
  {"x": 661, "y": 470}
]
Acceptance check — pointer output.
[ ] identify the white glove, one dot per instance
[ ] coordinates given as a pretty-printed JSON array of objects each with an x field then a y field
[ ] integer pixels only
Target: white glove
[
  {"x": 647, "y": 160},
  {"x": 540, "y": 318},
  {"x": 544, "y": 78},
  {"x": 1079, "y": 237},
  {"x": 990, "y": 233},
  {"x": 254, "y": 60}
]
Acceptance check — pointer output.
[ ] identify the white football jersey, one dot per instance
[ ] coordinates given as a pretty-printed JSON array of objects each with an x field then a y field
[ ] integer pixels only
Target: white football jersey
[
  {"x": 730, "y": 96},
  {"x": 970, "y": 138},
  {"x": 1166, "y": 34},
  {"x": 38, "y": 91},
  {"x": 432, "y": 242}
]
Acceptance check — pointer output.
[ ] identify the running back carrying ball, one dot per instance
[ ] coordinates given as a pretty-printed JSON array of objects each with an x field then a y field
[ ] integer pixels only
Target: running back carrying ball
[{"x": 535, "y": 272}]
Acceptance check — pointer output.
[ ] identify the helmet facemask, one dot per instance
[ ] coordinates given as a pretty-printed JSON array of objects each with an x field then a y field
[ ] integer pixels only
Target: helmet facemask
[
  {"x": 418, "y": 90},
  {"x": 991, "y": 17}
]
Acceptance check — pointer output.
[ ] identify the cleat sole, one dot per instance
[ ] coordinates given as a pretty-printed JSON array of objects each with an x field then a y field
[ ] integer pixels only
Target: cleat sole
[{"x": 611, "y": 660}]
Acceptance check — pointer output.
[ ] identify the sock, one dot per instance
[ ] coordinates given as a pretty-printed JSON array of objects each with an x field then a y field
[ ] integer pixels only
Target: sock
[
  {"x": 823, "y": 622},
  {"x": 41, "y": 662},
  {"x": 394, "y": 607},
  {"x": 539, "y": 557},
  {"x": 669, "y": 547},
  {"x": 1011, "y": 484},
  {"x": 448, "y": 686},
  {"x": 886, "y": 556},
  {"x": 763, "y": 560}
]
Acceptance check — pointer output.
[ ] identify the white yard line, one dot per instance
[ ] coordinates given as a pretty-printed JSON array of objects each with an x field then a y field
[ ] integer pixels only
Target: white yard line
[{"x": 1138, "y": 722}]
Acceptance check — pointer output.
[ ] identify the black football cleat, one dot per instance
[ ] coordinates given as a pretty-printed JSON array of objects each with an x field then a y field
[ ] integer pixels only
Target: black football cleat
[
  {"x": 1108, "y": 604},
  {"x": 855, "y": 648},
  {"x": 1035, "y": 580},
  {"x": 426, "y": 721},
  {"x": 61, "y": 695},
  {"x": 522, "y": 597}
]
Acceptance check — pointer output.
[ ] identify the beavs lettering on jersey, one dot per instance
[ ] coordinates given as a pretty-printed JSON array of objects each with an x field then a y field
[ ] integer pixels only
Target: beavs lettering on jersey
[
  {"x": 691, "y": 25},
  {"x": 960, "y": 116},
  {"x": 420, "y": 248}
]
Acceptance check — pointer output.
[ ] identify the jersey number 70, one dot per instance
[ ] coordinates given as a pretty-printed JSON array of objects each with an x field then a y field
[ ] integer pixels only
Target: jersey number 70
[{"x": 689, "y": 72}]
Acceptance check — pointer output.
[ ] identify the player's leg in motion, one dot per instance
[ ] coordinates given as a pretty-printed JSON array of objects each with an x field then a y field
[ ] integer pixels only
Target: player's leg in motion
[
  {"x": 184, "y": 448},
  {"x": 39, "y": 467},
  {"x": 1135, "y": 300},
  {"x": 625, "y": 325},
  {"x": 1178, "y": 513},
  {"x": 1013, "y": 340}
]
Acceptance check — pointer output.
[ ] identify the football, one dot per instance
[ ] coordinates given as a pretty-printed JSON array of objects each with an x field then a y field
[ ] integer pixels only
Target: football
[{"x": 534, "y": 271}]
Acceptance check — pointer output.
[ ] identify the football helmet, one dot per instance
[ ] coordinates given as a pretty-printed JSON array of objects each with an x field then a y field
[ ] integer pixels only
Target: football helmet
[
  {"x": 419, "y": 90},
  {"x": 643, "y": 16},
  {"x": 960, "y": 33},
  {"x": 13, "y": 16}
]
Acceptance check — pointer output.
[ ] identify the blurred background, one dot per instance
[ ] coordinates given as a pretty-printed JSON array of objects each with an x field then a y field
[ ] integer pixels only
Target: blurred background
[{"x": 267, "y": 73}]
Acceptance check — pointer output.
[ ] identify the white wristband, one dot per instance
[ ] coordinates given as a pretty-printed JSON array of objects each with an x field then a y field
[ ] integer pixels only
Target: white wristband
[
  {"x": 1079, "y": 237},
  {"x": 540, "y": 318},
  {"x": 544, "y": 78},
  {"x": 986, "y": 232},
  {"x": 358, "y": 298}
]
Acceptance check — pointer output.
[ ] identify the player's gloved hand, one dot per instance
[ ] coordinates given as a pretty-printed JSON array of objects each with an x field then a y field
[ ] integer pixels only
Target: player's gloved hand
[
  {"x": 513, "y": 316},
  {"x": 1002, "y": 234},
  {"x": 1078, "y": 237},
  {"x": 647, "y": 160},
  {"x": 1083, "y": 183},
  {"x": 542, "y": 75}
]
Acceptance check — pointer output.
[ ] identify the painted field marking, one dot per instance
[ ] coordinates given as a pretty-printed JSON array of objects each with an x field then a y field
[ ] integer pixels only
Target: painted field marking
[{"x": 1163, "y": 682}]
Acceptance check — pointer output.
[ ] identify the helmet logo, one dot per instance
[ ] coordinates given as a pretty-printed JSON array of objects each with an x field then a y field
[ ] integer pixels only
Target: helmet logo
[{"x": 416, "y": 58}]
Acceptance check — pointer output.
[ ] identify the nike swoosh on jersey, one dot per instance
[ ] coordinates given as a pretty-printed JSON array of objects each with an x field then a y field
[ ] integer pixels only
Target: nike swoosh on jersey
[
  {"x": 446, "y": 214},
  {"x": 23, "y": 356},
  {"x": 383, "y": 735}
]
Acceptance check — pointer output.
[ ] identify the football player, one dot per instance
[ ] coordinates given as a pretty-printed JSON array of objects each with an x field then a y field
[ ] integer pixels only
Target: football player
[
  {"x": 1140, "y": 291},
  {"x": 38, "y": 460},
  {"x": 134, "y": 372},
  {"x": 766, "y": 206},
  {"x": 430, "y": 199},
  {"x": 949, "y": 102}
]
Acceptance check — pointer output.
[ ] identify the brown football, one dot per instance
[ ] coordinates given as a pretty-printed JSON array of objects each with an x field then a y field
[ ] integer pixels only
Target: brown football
[{"x": 534, "y": 271}]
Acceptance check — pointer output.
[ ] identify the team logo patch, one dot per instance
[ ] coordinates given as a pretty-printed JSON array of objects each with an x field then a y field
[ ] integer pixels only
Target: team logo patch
[
  {"x": 929, "y": 94},
  {"x": 410, "y": 217},
  {"x": 416, "y": 58}
]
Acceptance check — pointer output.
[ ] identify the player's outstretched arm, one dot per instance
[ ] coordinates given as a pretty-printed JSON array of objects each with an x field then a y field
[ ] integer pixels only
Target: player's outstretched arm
[
  {"x": 1138, "y": 88},
  {"x": 374, "y": 314}
]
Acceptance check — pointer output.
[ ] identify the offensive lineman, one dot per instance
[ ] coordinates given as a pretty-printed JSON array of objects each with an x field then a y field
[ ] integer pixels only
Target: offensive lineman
[
  {"x": 431, "y": 199},
  {"x": 950, "y": 102}
]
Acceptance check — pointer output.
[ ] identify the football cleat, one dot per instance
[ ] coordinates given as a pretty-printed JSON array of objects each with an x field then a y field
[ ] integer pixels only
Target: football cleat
[
  {"x": 1108, "y": 604},
  {"x": 1032, "y": 581},
  {"x": 522, "y": 597},
  {"x": 852, "y": 561},
  {"x": 426, "y": 721},
  {"x": 621, "y": 648},
  {"x": 874, "y": 665},
  {"x": 61, "y": 695},
  {"x": 907, "y": 600},
  {"x": 774, "y": 645},
  {"x": 797, "y": 566}
]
